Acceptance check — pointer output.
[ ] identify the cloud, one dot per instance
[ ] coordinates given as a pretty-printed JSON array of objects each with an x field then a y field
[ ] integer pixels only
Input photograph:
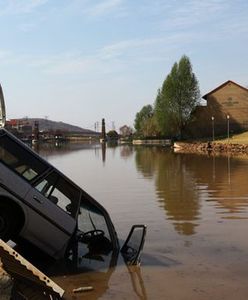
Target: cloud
[
  {"x": 138, "y": 48},
  {"x": 120, "y": 48},
  {"x": 16, "y": 7},
  {"x": 73, "y": 63},
  {"x": 110, "y": 59},
  {"x": 103, "y": 8},
  {"x": 27, "y": 27},
  {"x": 193, "y": 12},
  {"x": 9, "y": 58}
]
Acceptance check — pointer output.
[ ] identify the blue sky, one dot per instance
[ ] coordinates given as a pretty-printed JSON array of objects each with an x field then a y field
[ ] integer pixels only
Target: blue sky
[{"x": 77, "y": 61}]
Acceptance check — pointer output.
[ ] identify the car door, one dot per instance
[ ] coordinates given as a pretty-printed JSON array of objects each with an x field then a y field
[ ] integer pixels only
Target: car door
[{"x": 52, "y": 221}]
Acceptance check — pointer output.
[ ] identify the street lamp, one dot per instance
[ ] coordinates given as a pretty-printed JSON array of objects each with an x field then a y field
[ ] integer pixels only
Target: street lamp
[
  {"x": 213, "y": 126},
  {"x": 228, "y": 117}
]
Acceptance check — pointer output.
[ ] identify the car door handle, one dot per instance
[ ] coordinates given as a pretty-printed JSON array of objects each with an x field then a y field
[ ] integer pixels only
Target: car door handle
[{"x": 37, "y": 199}]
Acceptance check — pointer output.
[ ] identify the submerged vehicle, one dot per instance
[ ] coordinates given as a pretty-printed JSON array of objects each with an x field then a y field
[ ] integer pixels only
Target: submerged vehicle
[{"x": 42, "y": 206}]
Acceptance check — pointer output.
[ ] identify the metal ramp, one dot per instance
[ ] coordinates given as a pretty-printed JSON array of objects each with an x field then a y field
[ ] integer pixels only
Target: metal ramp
[{"x": 29, "y": 282}]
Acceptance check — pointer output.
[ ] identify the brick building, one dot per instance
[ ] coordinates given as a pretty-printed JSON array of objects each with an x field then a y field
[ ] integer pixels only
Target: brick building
[{"x": 228, "y": 103}]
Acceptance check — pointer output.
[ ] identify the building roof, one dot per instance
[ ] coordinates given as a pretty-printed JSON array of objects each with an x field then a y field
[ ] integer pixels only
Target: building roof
[{"x": 221, "y": 86}]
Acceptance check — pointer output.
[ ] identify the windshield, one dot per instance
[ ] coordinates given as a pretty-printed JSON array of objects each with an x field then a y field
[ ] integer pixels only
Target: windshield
[
  {"x": 91, "y": 218},
  {"x": 96, "y": 230}
]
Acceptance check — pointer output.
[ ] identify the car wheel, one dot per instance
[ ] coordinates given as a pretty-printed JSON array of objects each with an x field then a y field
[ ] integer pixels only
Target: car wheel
[{"x": 7, "y": 223}]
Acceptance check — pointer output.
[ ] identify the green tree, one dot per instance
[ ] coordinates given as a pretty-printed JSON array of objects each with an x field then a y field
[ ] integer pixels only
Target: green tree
[
  {"x": 177, "y": 98},
  {"x": 142, "y": 117},
  {"x": 112, "y": 134},
  {"x": 150, "y": 127},
  {"x": 162, "y": 115}
]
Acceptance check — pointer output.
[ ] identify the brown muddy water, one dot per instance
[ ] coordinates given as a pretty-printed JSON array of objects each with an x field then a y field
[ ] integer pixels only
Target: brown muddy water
[{"x": 196, "y": 211}]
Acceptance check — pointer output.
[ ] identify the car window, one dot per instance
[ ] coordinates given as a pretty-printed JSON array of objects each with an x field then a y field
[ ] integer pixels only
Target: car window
[
  {"x": 60, "y": 191},
  {"x": 19, "y": 159}
]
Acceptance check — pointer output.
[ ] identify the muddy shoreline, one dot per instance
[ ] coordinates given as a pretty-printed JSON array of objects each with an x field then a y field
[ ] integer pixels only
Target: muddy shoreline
[{"x": 210, "y": 148}]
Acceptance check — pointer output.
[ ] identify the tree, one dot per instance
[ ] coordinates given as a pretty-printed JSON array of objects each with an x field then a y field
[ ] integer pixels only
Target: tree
[
  {"x": 150, "y": 128},
  {"x": 142, "y": 116},
  {"x": 177, "y": 98},
  {"x": 112, "y": 134},
  {"x": 162, "y": 115},
  {"x": 126, "y": 131}
]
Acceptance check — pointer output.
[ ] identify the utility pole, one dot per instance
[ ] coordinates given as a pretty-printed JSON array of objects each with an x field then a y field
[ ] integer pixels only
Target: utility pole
[
  {"x": 103, "y": 131},
  {"x": 213, "y": 127},
  {"x": 228, "y": 128},
  {"x": 36, "y": 131},
  {"x": 97, "y": 126},
  {"x": 113, "y": 125}
]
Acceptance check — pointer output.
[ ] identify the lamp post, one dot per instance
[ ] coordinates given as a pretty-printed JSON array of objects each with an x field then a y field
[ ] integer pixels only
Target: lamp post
[
  {"x": 228, "y": 117},
  {"x": 213, "y": 127}
]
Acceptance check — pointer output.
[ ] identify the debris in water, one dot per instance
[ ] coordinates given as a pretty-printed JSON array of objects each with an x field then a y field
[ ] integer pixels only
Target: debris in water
[{"x": 83, "y": 289}]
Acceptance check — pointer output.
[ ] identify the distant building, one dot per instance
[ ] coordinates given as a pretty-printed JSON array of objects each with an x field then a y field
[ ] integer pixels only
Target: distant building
[
  {"x": 20, "y": 127},
  {"x": 125, "y": 131},
  {"x": 226, "y": 103}
]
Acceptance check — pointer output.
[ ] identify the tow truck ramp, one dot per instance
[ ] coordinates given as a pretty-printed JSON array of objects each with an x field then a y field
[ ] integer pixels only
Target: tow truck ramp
[{"x": 29, "y": 282}]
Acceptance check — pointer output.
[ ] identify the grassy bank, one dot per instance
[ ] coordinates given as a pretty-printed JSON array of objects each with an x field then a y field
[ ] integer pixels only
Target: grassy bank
[{"x": 241, "y": 138}]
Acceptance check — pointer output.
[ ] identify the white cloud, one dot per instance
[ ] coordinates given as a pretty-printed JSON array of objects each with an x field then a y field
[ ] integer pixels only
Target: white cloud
[
  {"x": 120, "y": 48},
  {"x": 67, "y": 64},
  {"x": 8, "y": 57},
  {"x": 194, "y": 12},
  {"x": 15, "y": 7},
  {"x": 27, "y": 27},
  {"x": 112, "y": 58},
  {"x": 103, "y": 8},
  {"x": 144, "y": 48},
  {"x": 176, "y": 15}
]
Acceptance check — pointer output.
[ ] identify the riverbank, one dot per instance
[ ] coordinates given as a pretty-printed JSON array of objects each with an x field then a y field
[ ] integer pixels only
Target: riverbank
[
  {"x": 213, "y": 147},
  {"x": 164, "y": 142},
  {"x": 236, "y": 144}
]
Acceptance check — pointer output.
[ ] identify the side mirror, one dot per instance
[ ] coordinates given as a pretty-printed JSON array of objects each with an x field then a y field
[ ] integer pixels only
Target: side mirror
[{"x": 131, "y": 250}]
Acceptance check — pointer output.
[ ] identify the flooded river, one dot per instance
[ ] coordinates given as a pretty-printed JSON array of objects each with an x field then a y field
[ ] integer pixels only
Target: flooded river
[{"x": 196, "y": 211}]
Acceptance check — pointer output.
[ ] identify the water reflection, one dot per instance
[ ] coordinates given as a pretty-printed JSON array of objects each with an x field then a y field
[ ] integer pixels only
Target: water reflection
[
  {"x": 175, "y": 186},
  {"x": 228, "y": 185},
  {"x": 145, "y": 162},
  {"x": 103, "y": 152},
  {"x": 126, "y": 151},
  {"x": 52, "y": 149},
  {"x": 137, "y": 282},
  {"x": 183, "y": 181}
]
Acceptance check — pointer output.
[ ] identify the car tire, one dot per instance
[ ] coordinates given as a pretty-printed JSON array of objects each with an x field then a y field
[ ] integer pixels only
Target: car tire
[{"x": 8, "y": 222}]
